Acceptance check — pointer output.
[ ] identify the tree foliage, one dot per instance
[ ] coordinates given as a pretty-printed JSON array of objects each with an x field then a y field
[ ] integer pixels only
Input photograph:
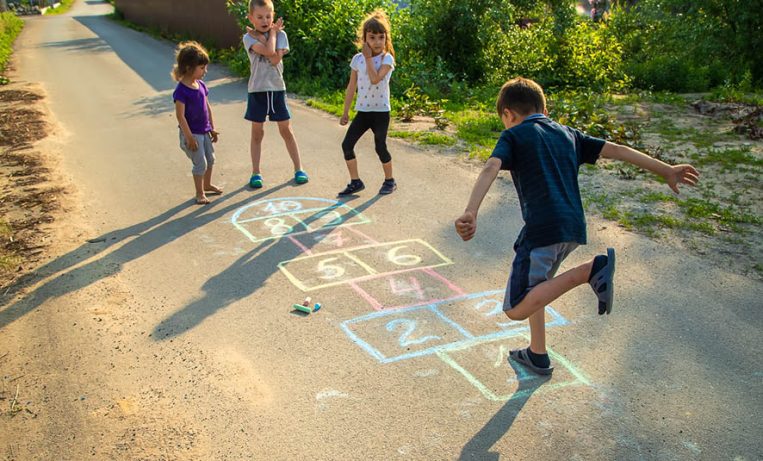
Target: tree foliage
[
  {"x": 683, "y": 45},
  {"x": 445, "y": 45}
]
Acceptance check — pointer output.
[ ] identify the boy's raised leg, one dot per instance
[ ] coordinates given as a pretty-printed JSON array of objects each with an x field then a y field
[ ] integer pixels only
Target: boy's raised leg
[{"x": 548, "y": 291}]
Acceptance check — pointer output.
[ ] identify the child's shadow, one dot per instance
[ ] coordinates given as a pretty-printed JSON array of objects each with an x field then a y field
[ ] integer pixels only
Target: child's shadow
[
  {"x": 69, "y": 274},
  {"x": 243, "y": 278},
  {"x": 478, "y": 447}
]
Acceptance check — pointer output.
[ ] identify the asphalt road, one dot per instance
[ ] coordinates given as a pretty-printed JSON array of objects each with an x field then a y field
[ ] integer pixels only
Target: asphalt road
[{"x": 171, "y": 334}]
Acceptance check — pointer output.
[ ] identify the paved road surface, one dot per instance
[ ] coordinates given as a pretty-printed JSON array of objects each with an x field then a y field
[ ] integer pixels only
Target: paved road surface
[{"x": 172, "y": 337}]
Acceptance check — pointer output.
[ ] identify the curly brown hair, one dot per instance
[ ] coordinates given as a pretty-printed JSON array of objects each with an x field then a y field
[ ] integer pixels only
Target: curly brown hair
[
  {"x": 376, "y": 22},
  {"x": 188, "y": 55}
]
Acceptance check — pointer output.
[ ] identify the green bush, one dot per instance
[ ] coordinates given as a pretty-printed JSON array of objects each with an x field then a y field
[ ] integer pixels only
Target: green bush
[
  {"x": 10, "y": 27},
  {"x": 679, "y": 45},
  {"x": 322, "y": 34},
  {"x": 488, "y": 42}
]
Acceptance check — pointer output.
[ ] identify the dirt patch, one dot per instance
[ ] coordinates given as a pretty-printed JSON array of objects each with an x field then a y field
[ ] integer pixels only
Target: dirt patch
[
  {"x": 28, "y": 199},
  {"x": 721, "y": 219}
]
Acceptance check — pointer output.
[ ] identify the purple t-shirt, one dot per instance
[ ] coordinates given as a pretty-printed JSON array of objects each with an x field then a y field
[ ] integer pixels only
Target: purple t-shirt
[{"x": 196, "y": 113}]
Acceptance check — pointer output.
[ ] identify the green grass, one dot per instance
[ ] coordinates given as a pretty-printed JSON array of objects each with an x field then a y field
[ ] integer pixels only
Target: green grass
[
  {"x": 60, "y": 9},
  {"x": 327, "y": 103},
  {"x": 701, "y": 138},
  {"x": 480, "y": 130},
  {"x": 728, "y": 159},
  {"x": 656, "y": 97},
  {"x": 693, "y": 214},
  {"x": 733, "y": 94},
  {"x": 425, "y": 137},
  {"x": 10, "y": 27}
]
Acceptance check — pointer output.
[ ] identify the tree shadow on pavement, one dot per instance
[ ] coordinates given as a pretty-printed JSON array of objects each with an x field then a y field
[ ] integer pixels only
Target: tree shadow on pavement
[
  {"x": 478, "y": 448},
  {"x": 141, "y": 52},
  {"x": 243, "y": 278},
  {"x": 148, "y": 236}
]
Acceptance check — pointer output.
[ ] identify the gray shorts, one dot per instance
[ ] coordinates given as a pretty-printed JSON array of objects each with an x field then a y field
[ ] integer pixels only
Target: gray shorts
[
  {"x": 203, "y": 157},
  {"x": 532, "y": 267}
]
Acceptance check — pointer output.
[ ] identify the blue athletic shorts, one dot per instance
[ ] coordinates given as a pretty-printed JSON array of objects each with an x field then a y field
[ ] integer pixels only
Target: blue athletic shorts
[
  {"x": 267, "y": 104},
  {"x": 532, "y": 267}
]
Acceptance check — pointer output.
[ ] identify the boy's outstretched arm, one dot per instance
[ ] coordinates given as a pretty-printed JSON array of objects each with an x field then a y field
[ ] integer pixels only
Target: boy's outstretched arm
[
  {"x": 466, "y": 224},
  {"x": 673, "y": 174}
]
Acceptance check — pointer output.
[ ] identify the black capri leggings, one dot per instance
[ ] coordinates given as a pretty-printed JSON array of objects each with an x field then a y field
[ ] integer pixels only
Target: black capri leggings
[{"x": 378, "y": 122}]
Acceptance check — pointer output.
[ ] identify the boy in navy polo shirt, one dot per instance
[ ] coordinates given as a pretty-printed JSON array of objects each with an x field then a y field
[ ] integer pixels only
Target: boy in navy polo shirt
[{"x": 544, "y": 157}]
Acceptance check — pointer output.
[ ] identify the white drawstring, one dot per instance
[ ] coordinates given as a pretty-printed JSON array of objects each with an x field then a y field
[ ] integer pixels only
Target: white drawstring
[{"x": 271, "y": 105}]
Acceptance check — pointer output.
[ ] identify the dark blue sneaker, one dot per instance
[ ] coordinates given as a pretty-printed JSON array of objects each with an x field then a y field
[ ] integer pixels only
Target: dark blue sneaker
[
  {"x": 356, "y": 185},
  {"x": 603, "y": 283},
  {"x": 388, "y": 187}
]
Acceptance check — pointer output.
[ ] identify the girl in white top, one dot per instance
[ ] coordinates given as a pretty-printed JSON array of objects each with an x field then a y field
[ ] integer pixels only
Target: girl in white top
[{"x": 370, "y": 75}]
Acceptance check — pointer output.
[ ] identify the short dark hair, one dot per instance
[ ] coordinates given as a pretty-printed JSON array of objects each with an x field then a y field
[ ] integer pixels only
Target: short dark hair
[
  {"x": 522, "y": 96},
  {"x": 259, "y": 3}
]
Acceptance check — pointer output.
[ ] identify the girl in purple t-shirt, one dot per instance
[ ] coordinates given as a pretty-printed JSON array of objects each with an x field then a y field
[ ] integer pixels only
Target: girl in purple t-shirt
[{"x": 197, "y": 130}]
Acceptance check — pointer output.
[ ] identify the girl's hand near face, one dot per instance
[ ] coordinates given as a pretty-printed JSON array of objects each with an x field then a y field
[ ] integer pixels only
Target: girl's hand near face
[{"x": 366, "y": 50}]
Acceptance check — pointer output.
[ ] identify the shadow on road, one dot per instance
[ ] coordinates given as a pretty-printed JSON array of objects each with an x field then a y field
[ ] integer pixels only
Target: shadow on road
[
  {"x": 242, "y": 279},
  {"x": 478, "y": 447},
  {"x": 139, "y": 51},
  {"x": 148, "y": 236}
]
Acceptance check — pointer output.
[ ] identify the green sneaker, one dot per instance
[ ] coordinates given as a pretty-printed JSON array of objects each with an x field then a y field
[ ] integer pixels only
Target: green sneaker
[
  {"x": 256, "y": 181},
  {"x": 300, "y": 177}
]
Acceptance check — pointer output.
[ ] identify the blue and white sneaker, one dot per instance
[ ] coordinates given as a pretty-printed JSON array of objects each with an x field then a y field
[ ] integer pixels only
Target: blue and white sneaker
[
  {"x": 300, "y": 177},
  {"x": 255, "y": 181}
]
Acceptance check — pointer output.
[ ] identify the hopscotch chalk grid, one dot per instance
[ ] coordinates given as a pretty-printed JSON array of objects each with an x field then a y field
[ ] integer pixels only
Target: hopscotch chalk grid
[
  {"x": 491, "y": 379},
  {"x": 390, "y": 336},
  {"x": 433, "y": 316},
  {"x": 361, "y": 263},
  {"x": 280, "y": 217}
]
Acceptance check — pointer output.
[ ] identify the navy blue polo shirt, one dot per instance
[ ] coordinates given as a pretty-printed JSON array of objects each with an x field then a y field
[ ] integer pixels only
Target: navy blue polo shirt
[{"x": 544, "y": 157}]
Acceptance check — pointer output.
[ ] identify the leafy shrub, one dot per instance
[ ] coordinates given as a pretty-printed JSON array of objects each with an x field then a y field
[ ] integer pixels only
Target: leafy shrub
[
  {"x": 586, "y": 111},
  {"x": 689, "y": 46},
  {"x": 322, "y": 34},
  {"x": 418, "y": 103},
  {"x": 10, "y": 27},
  {"x": 488, "y": 42}
]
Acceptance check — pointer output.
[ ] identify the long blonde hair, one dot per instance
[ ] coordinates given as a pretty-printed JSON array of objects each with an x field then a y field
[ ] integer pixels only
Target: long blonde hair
[
  {"x": 376, "y": 22},
  {"x": 188, "y": 55}
]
